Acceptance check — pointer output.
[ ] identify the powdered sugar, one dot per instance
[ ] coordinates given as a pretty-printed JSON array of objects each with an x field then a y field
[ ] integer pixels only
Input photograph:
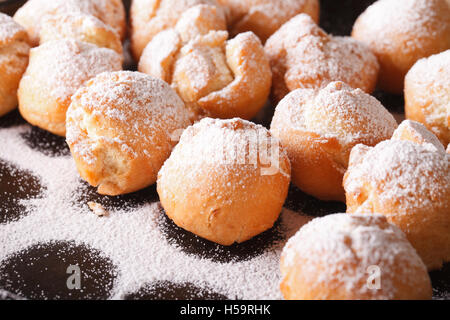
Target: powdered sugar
[
  {"x": 62, "y": 66},
  {"x": 432, "y": 70},
  {"x": 304, "y": 56},
  {"x": 130, "y": 100},
  {"x": 233, "y": 145},
  {"x": 413, "y": 20},
  {"x": 213, "y": 76},
  {"x": 73, "y": 25},
  {"x": 131, "y": 238},
  {"x": 352, "y": 115},
  {"x": 120, "y": 126},
  {"x": 264, "y": 17},
  {"x": 427, "y": 88},
  {"x": 31, "y": 14}
]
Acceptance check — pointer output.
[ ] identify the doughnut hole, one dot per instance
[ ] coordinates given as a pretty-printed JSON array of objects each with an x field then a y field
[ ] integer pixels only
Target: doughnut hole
[
  {"x": 319, "y": 128},
  {"x": 120, "y": 130},
  {"x": 219, "y": 185},
  {"x": 340, "y": 257}
]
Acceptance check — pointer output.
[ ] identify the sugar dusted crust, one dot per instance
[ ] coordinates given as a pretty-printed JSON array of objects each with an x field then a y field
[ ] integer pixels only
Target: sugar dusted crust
[
  {"x": 264, "y": 17},
  {"x": 409, "y": 183},
  {"x": 417, "y": 133},
  {"x": 32, "y": 13},
  {"x": 150, "y": 17},
  {"x": 82, "y": 27},
  {"x": 400, "y": 33},
  {"x": 55, "y": 72},
  {"x": 120, "y": 130},
  {"x": 319, "y": 146},
  {"x": 302, "y": 55},
  {"x": 329, "y": 258},
  {"x": 213, "y": 76},
  {"x": 427, "y": 94},
  {"x": 219, "y": 184}
]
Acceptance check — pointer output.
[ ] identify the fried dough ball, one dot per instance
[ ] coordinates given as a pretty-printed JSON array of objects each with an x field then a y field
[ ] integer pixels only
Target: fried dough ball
[
  {"x": 400, "y": 33},
  {"x": 56, "y": 70},
  {"x": 161, "y": 52},
  {"x": 32, "y": 13},
  {"x": 14, "y": 50},
  {"x": 225, "y": 181},
  {"x": 302, "y": 55},
  {"x": 319, "y": 127},
  {"x": 213, "y": 76},
  {"x": 120, "y": 130},
  {"x": 407, "y": 179},
  {"x": 150, "y": 17},
  {"x": 427, "y": 94},
  {"x": 264, "y": 17},
  {"x": 82, "y": 27},
  {"x": 352, "y": 257}
]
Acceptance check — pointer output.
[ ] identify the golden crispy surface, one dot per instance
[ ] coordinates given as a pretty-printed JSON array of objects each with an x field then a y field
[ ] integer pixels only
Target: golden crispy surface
[{"x": 150, "y": 17}]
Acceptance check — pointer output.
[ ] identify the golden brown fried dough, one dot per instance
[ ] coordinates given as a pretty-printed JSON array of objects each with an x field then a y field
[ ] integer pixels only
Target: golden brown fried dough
[
  {"x": 401, "y": 32},
  {"x": 352, "y": 257},
  {"x": 120, "y": 130},
  {"x": 225, "y": 181}
]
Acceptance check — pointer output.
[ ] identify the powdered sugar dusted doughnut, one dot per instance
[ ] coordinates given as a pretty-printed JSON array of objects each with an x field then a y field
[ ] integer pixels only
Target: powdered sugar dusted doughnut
[
  {"x": 352, "y": 257},
  {"x": 225, "y": 181},
  {"x": 264, "y": 17},
  {"x": 401, "y": 32},
  {"x": 213, "y": 76},
  {"x": 14, "y": 49},
  {"x": 302, "y": 55},
  {"x": 150, "y": 17},
  {"x": 120, "y": 130},
  {"x": 427, "y": 94},
  {"x": 56, "y": 70},
  {"x": 409, "y": 183},
  {"x": 82, "y": 27},
  {"x": 319, "y": 127},
  {"x": 31, "y": 14}
]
